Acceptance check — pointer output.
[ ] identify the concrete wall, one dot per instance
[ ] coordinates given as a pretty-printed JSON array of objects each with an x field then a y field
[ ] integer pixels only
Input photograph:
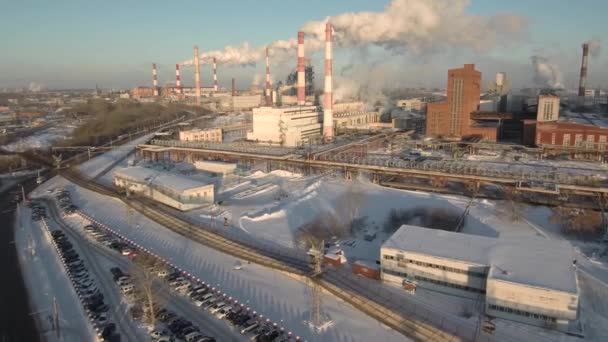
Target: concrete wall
[
  {"x": 527, "y": 299},
  {"x": 443, "y": 270},
  {"x": 215, "y": 167}
]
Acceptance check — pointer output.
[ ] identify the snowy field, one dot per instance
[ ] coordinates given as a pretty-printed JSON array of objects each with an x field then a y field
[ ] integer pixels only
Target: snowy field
[
  {"x": 275, "y": 295},
  {"x": 46, "y": 279},
  {"x": 42, "y": 139}
]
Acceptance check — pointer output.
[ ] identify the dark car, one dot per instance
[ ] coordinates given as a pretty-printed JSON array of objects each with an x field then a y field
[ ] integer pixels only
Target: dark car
[
  {"x": 99, "y": 308},
  {"x": 56, "y": 233},
  {"x": 108, "y": 330}
]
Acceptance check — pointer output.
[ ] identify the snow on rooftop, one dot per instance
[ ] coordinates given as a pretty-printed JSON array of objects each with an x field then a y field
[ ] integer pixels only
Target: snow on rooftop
[
  {"x": 440, "y": 243},
  {"x": 162, "y": 179},
  {"x": 512, "y": 259}
]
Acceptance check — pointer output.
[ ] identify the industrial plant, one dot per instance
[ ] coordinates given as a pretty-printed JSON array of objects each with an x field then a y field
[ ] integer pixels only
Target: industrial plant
[{"x": 424, "y": 188}]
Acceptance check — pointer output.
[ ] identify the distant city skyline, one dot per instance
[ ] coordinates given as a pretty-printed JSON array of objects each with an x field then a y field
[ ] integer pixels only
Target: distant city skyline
[{"x": 75, "y": 44}]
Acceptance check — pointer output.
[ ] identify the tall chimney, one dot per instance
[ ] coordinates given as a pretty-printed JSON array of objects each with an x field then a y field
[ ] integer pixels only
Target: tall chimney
[
  {"x": 268, "y": 91},
  {"x": 154, "y": 80},
  {"x": 301, "y": 70},
  {"x": 214, "y": 75},
  {"x": 197, "y": 76},
  {"x": 178, "y": 82},
  {"x": 583, "y": 80},
  {"x": 233, "y": 87},
  {"x": 328, "y": 116}
]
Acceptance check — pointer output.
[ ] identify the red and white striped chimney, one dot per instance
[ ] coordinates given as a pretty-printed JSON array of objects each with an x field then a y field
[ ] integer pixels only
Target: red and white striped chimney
[
  {"x": 197, "y": 76},
  {"x": 301, "y": 70},
  {"x": 233, "y": 87},
  {"x": 328, "y": 116},
  {"x": 583, "y": 80},
  {"x": 214, "y": 75},
  {"x": 268, "y": 91},
  {"x": 178, "y": 82},
  {"x": 154, "y": 80}
]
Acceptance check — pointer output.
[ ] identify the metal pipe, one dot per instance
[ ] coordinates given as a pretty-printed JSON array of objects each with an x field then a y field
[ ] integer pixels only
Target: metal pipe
[{"x": 197, "y": 76}]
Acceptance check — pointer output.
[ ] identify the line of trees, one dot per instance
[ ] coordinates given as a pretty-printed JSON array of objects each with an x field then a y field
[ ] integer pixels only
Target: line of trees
[{"x": 109, "y": 120}]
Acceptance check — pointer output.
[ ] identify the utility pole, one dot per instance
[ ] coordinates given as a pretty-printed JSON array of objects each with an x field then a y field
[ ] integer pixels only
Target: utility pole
[{"x": 318, "y": 320}]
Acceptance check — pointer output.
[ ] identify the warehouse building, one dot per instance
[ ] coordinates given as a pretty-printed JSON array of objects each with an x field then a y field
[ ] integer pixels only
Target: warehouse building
[
  {"x": 504, "y": 271},
  {"x": 286, "y": 126},
  {"x": 172, "y": 190}
]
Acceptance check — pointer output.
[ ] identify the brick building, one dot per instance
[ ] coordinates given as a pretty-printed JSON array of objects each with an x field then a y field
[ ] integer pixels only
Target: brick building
[
  {"x": 565, "y": 129},
  {"x": 452, "y": 118}
]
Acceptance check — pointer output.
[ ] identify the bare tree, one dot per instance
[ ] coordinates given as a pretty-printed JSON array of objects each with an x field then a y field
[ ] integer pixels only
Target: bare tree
[
  {"x": 579, "y": 222},
  {"x": 143, "y": 275}
]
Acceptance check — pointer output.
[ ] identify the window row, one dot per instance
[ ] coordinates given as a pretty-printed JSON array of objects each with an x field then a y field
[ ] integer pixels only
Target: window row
[
  {"x": 522, "y": 313},
  {"x": 454, "y": 286},
  {"x": 440, "y": 267}
]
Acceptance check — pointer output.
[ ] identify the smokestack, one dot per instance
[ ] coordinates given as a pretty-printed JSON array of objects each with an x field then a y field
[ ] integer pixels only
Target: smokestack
[
  {"x": 328, "y": 117},
  {"x": 214, "y": 75},
  {"x": 233, "y": 87},
  {"x": 268, "y": 91},
  {"x": 178, "y": 82},
  {"x": 197, "y": 76},
  {"x": 154, "y": 80},
  {"x": 583, "y": 80},
  {"x": 301, "y": 70}
]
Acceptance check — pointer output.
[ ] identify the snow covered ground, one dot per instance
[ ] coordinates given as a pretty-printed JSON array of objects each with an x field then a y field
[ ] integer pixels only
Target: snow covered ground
[
  {"x": 97, "y": 165},
  {"x": 275, "y": 295},
  {"x": 41, "y": 139},
  {"x": 47, "y": 280}
]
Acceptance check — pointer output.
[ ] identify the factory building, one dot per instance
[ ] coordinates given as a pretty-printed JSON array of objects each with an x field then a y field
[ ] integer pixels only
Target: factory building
[
  {"x": 211, "y": 134},
  {"x": 452, "y": 118},
  {"x": 286, "y": 126},
  {"x": 172, "y": 190},
  {"x": 504, "y": 271},
  {"x": 416, "y": 104},
  {"x": 565, "y": 130},
  {"x": 240, "y": 102}
]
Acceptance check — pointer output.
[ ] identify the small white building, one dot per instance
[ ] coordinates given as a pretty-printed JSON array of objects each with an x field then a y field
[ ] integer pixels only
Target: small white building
[
  {"x": 530, "y": 280},
  {"x": 215, "y": 167},
  {"x": 286, "y": 126},
  {"x": 175, "y": 191}
]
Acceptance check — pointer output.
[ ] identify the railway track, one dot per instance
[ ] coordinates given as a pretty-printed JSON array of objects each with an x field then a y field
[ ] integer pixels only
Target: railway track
[{"x": 350, "y": 292}]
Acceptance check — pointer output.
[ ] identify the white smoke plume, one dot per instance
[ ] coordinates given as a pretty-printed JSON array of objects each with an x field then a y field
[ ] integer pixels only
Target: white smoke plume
[
  {"x": 594, "y": 47},
  {"x": 417, "y": 26},
  {"x": 34, "y": 87},
  {"x": 546, "y": 73}
]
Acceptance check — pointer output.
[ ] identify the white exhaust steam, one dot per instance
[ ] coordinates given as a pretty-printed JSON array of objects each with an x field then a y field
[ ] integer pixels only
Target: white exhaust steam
[
  {"x": 417, "y": 26},
  {"x": 546, "y": 73}
]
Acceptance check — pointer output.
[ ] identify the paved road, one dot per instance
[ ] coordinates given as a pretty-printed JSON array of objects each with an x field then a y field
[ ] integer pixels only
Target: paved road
[{"x": 16, "y": 323}]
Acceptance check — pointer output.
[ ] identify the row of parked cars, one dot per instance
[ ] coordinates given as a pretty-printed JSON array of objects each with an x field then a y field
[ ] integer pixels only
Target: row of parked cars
[
  {"x": 91, "y": 297},
  {"x": 202, "y": 295},
  {"x": 38, "y": 210},
  {"x": 216, "y": 303},
  {"x": 65, "y": 201},
  {"x": 110, "y": 241}
]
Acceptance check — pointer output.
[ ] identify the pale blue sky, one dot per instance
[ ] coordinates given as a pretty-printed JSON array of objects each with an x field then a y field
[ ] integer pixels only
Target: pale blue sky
[{"x": 78, "y": 43}]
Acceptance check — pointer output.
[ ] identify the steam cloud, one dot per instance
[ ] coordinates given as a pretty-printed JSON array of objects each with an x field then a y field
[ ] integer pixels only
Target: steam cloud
[
  {"x": 418, "y": 26},
  {"x": 546, "y": 73},
  {"x": 594, "y": 47}
]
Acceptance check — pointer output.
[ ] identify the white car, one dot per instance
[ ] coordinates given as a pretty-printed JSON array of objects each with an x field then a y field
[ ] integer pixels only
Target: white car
[
  {"x": 156, "y": 334},
  {"x": 223, "y": 312},
  {"x": 217, "y": 307},
  {"x": 127, "y": 288}
]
